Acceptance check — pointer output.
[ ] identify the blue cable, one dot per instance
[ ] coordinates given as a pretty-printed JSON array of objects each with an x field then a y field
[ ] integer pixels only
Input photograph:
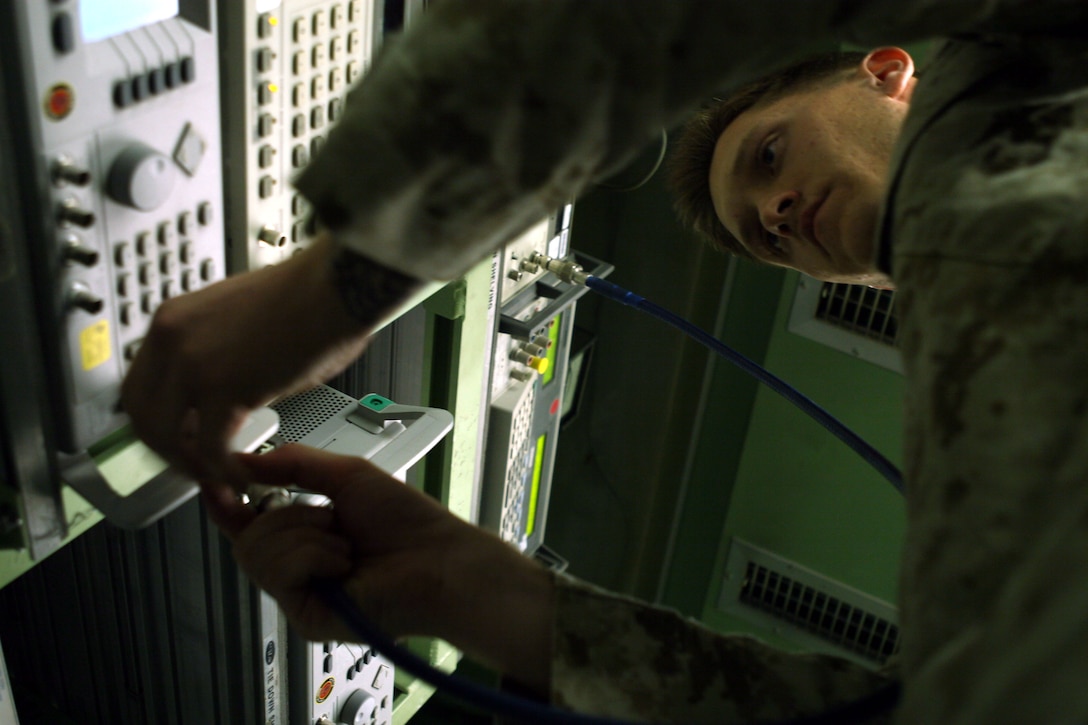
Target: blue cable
[
  {"x": 872, "y": 456},
  {"x": 533, "y": 713}
]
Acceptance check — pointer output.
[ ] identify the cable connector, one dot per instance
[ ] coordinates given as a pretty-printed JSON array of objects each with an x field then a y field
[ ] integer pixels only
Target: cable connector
[{"x": 566, "y": 270}]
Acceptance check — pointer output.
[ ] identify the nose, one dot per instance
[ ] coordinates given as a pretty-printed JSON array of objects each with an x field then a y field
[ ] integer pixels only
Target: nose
[{"x": 778, "y": 214}]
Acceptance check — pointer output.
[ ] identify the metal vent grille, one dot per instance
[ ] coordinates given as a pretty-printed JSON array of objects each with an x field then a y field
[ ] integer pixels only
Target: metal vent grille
[
  {"x": 865, "y": 310},
  {"x": 302, "y": 413},
  {"x": 859, "y": 321},
  {"x": 817, "y": 612},
  {"x": 826, "y": 616}
]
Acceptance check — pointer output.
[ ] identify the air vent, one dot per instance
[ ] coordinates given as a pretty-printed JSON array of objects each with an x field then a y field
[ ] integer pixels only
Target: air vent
[
  {"x": 864, "y": 310},
  {"x": 819, "y": 612},
  {"x": 302, "y": 413},
  {"x": 855, "y": 319}
]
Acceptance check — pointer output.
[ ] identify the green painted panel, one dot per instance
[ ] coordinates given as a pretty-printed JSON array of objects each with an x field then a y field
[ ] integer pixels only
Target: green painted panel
[{"x": 799, "y": 491}]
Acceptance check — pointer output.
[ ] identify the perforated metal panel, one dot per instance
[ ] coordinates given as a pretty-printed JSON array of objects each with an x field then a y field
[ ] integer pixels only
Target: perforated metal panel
[{"x": 302, "y": 413}]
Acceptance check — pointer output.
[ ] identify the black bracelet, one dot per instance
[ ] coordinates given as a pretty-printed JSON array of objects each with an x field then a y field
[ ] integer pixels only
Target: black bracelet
[{"x": 369, "y": 289}]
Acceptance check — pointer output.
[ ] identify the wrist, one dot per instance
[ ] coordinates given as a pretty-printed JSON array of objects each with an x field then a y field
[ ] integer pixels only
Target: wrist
[
  {"x": 498, "y": 608},
  {"x": 368, "y": 291}
]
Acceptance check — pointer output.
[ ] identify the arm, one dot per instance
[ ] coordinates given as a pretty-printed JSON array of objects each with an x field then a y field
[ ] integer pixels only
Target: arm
[
  {"x": 414, "y": 568},
  {"x": 486, "y": 115},
  {"x": 483, "y": 118},
  {"x": 619, "y": 657},
  {"x": 211, "y": 356},
  {"x": 410, "y": 565}
]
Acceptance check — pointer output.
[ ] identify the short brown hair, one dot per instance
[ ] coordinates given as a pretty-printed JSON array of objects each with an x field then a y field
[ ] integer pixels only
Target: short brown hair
[{"x": 689, "y": 164}]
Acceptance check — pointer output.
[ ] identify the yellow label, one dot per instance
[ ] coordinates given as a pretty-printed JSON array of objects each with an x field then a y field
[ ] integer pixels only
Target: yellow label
[{"x": 94, "y": 344}]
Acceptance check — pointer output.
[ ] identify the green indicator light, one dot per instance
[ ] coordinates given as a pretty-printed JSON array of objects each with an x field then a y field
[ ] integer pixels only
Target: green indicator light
[
  {"x": 553, "y": 350},
  {"x": 538, "y": 468}
]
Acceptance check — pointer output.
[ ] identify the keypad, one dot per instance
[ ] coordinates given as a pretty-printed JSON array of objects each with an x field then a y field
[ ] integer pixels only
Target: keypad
[
  {"x": 327, "y": 49},
  {"x": 160, "y": 264}
]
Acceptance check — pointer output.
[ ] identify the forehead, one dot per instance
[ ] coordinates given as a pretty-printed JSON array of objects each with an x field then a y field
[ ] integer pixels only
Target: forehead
[{"x": 727, "y": 160}]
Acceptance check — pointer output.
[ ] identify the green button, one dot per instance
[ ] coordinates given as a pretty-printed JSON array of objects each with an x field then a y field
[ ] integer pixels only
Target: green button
[{"x": 376, "y": 402}]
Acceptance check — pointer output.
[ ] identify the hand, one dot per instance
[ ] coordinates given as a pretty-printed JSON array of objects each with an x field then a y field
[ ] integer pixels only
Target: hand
[
  {"x": 211, "y": 356},
  {"x": 409, "y": 564}
]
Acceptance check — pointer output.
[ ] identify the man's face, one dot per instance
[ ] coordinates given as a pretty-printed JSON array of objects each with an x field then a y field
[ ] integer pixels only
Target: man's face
[{"x": 799, "y": 182}]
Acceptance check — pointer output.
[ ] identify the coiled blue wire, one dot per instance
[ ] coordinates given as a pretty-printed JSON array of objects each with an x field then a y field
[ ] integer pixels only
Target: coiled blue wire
[
  {"x": 530, "y": 712},
  {"x": 871, "y": 455}
]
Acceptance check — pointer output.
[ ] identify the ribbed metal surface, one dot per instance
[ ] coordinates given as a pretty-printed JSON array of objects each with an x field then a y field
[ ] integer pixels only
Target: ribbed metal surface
[{"x": 823, "y": 614}]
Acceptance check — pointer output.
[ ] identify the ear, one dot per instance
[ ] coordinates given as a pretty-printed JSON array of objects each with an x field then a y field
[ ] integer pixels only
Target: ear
[{"x": 891, "y": 71}]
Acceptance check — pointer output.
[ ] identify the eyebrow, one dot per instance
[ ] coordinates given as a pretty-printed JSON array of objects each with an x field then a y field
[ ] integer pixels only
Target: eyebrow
[
  {"x": 744, "y": 150},
  {"x": 742, "y": 160}
]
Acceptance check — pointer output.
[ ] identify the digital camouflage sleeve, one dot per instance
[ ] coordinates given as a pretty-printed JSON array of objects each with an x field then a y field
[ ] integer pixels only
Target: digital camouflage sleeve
[{"x": 489, "y": 114}]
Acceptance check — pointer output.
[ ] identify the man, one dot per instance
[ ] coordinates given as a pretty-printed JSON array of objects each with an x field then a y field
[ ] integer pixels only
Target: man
[
  {"x": 791, "y": 169},
  {"x": 488, "y": 114}
]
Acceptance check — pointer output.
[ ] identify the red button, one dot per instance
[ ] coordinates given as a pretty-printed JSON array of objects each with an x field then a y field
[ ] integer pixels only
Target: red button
[{"x": 60, "y": 100}]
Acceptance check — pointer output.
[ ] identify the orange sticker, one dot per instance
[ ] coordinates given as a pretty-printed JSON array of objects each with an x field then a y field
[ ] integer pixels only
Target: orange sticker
[{"x": 325, "y": 690}]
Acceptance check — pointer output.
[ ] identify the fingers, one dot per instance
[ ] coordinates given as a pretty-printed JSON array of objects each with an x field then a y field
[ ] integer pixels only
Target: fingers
[
  {"x": 285, "y": 549},
  {"x": 157, "y": 404},
  {"x": 218, "y": 422},
  {"x": 226, "y": 509},
  {"x": 311, "y": 468}
]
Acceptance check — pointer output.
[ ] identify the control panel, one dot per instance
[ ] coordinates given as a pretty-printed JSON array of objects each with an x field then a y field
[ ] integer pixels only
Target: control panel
[
  {"x": 287, "y": 68},
  {"x": 530, "y": 358},
  {"x": 344, "y": 683},
  {"x": 117, "y": 148}
]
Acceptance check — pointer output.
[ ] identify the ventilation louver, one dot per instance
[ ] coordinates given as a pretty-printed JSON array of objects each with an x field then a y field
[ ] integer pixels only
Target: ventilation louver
[
  {"x": 855, "y": 319},
  {"x": 819, "y": 612}
]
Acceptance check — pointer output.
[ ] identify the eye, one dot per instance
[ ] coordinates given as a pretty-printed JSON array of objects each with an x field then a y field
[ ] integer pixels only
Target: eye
[{"x": 768, "y": 153}]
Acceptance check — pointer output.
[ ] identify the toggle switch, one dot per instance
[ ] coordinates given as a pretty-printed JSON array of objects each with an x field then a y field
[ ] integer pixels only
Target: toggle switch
[
  {"x": 81, "y": 296},
  {"x": 76, "y": 251},
  {"x": 70, "y": 212},
  {"x": 65, "y": 171}
]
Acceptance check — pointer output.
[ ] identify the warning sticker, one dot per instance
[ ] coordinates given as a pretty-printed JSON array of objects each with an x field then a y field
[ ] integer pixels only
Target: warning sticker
[{"x": 94, "y": 344}]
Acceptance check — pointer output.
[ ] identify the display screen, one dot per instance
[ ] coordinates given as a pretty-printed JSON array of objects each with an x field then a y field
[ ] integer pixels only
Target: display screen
[{"x": 104, "y": 18}]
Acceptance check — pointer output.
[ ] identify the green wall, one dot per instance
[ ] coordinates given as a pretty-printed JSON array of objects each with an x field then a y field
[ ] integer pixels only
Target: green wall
[{"x": 799, "y": 491}]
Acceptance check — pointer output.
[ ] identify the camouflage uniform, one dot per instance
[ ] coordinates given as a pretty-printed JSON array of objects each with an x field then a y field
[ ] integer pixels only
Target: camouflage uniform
[
  {"x": 988, "y": 226},
  {"x": 444, "y": 152},
  {"x": 618, "y": 657}
]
